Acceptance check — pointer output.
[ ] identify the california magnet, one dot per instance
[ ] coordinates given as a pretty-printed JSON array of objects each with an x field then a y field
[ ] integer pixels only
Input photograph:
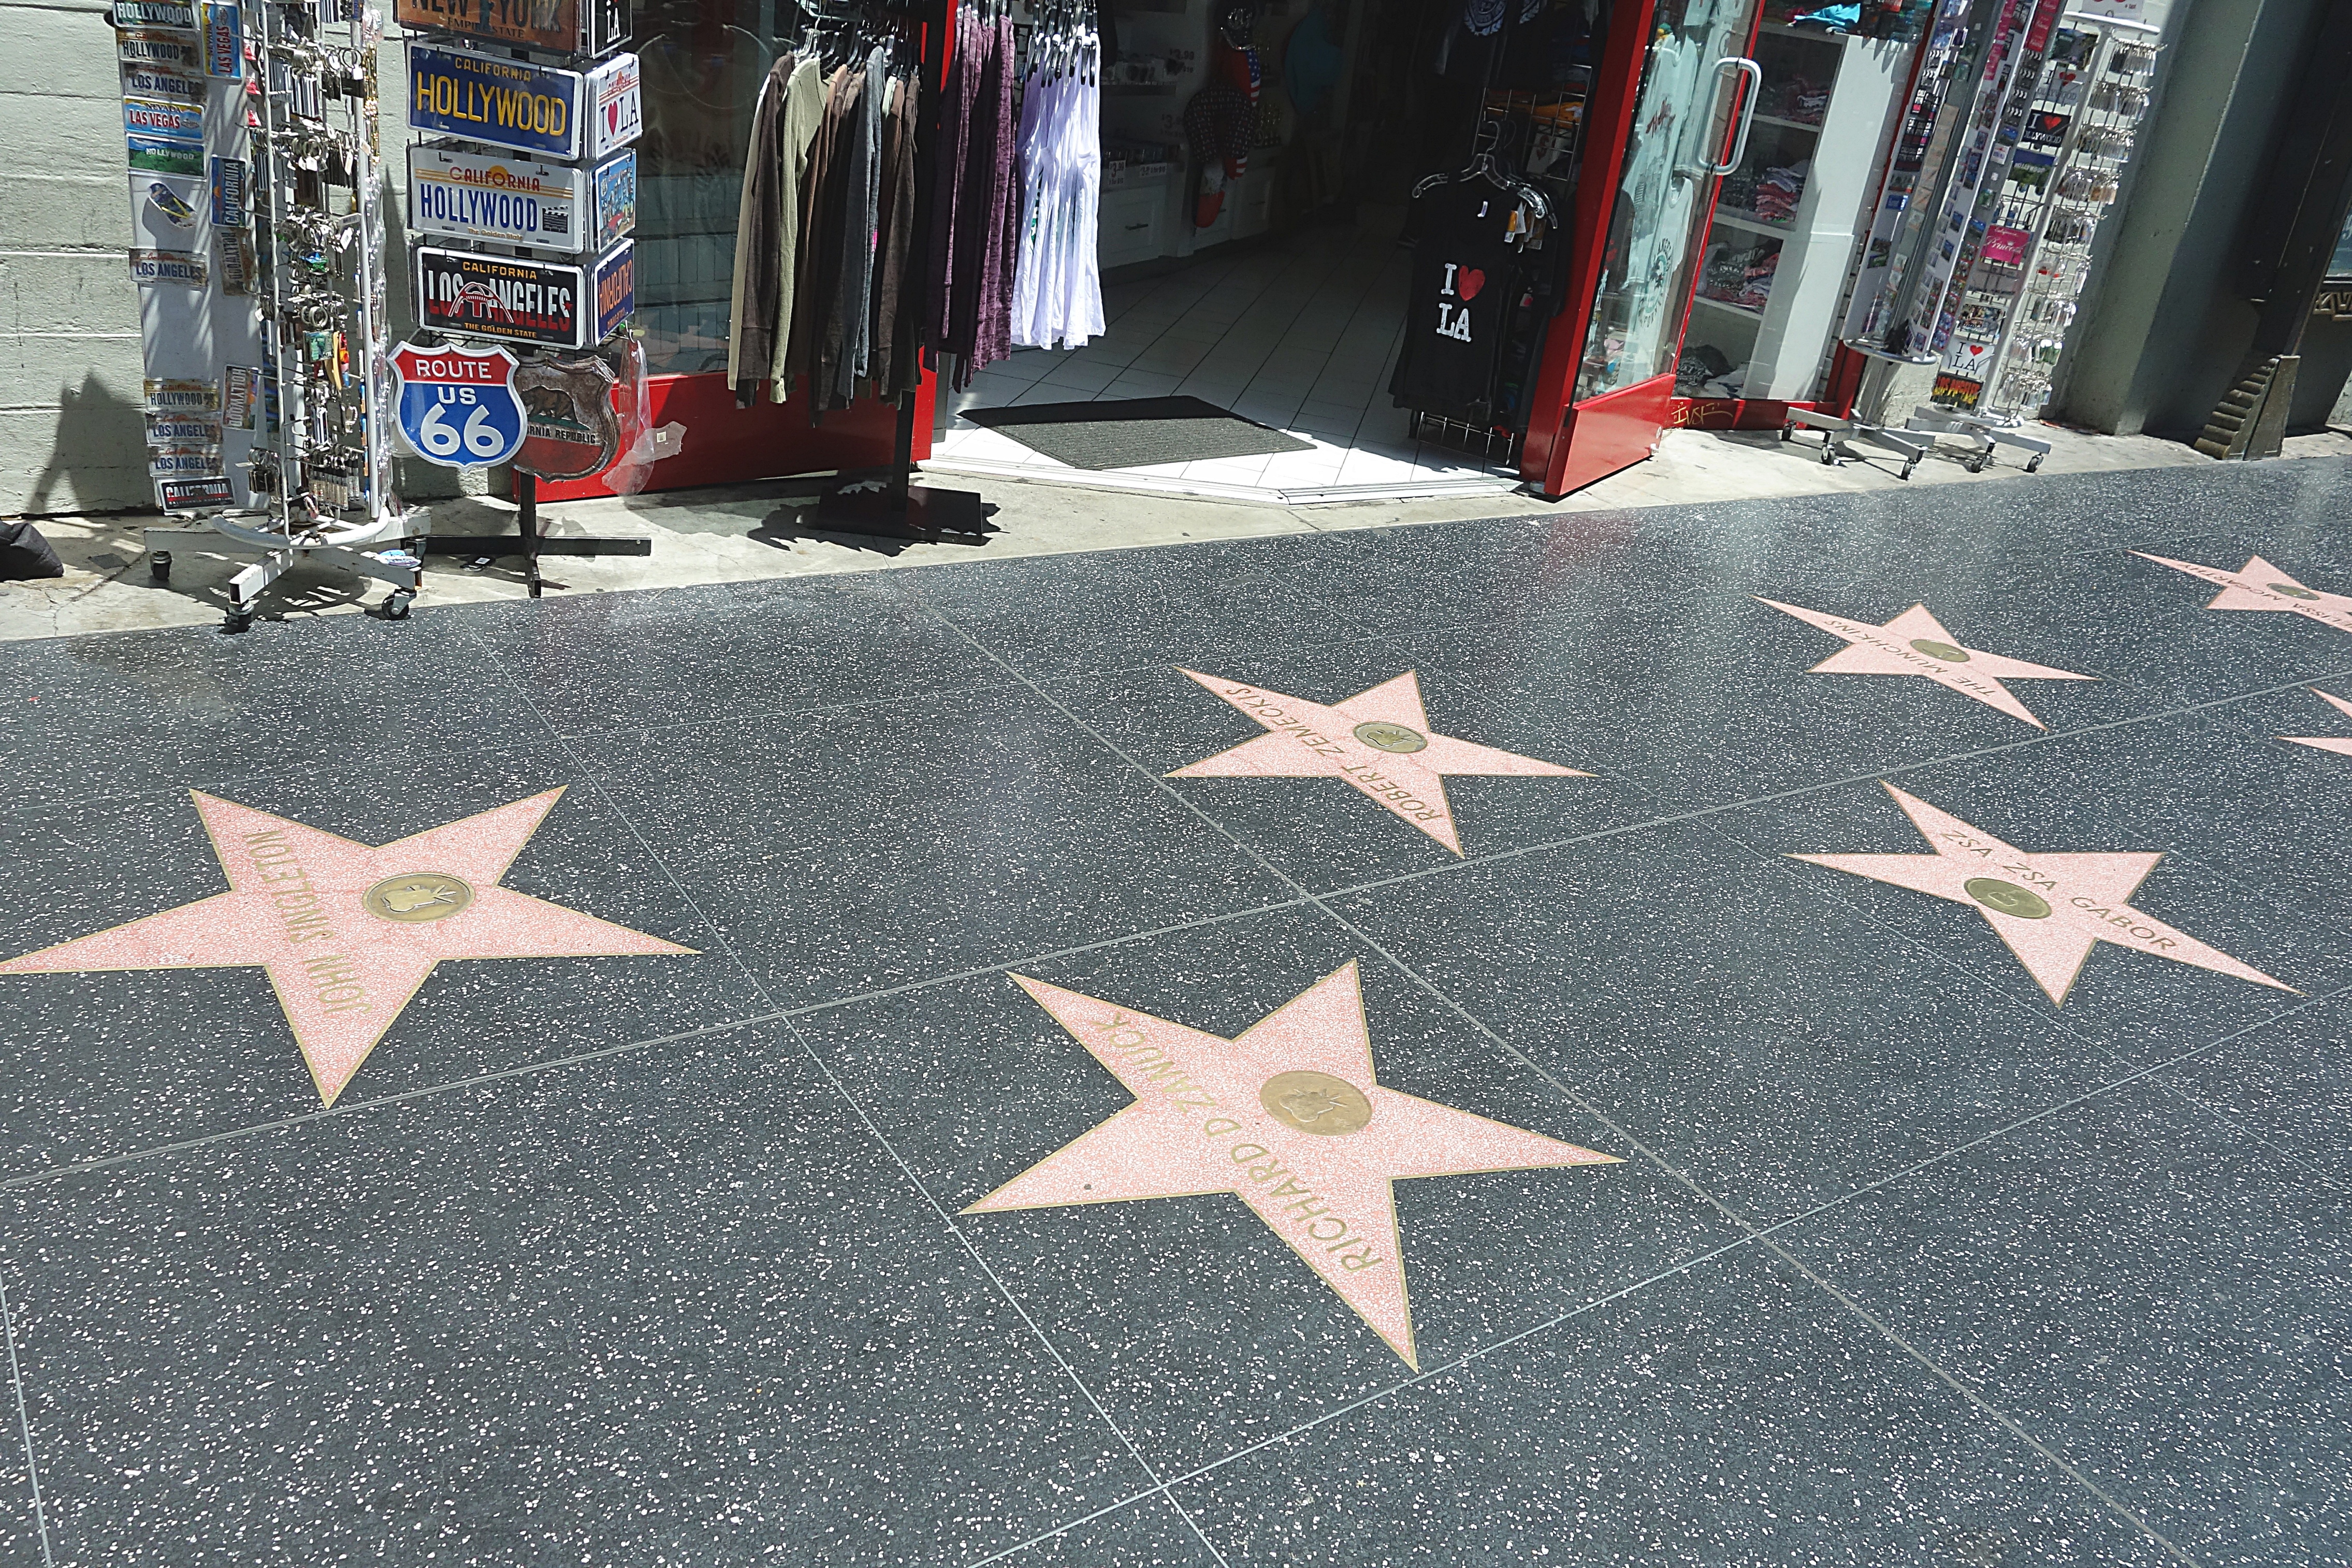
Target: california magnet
[
  {"x": 165, "y": 51},
  {"x": 160, "y": 81},
  {"x": 161, "y": 119},
  {"x": 505, "y": 298},
  {"x": 496, "y": 197},
  {"x": 482, "y": 98},
  {"x": 616, "y": 106},
  {"x": 614, "y": 281},
  {"x": 178, "y": 15},
  {"x": 149, "y": 156},
  {"x": 224, "y": 41},
  {"x": 617, "y": 199},
  {"x": 182, "y": 268}
]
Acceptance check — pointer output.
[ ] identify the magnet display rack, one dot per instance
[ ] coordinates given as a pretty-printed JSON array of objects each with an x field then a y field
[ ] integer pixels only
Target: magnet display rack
[
  {"x": 584, "y": 128},
  {"x": 2047, "y": 153},
  {"x": 315, "y": 486}
]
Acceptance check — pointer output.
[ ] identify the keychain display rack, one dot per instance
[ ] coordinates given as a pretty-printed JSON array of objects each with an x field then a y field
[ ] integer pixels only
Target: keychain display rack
[{"x": 290, "y": 151}]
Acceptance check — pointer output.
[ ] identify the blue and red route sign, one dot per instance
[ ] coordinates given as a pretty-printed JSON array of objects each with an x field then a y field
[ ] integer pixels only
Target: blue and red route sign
[{"x": 457, "y": 406}]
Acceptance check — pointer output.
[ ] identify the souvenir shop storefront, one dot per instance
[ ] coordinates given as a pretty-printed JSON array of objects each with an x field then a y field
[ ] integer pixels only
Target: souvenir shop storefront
[
  {"x": 1367, "y": 240},
  {"x": 1305, "y": 249}
]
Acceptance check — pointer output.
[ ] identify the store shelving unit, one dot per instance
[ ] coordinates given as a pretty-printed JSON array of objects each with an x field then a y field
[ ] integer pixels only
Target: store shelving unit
[
  {"x": 1768, "y": 287},
  {"x": 318, "y": 476}
]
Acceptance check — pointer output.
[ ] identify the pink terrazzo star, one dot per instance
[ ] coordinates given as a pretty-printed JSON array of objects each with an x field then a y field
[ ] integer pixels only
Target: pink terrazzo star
[
  {"x": 1915, "y": 643},
  {"x": 1379, "y": 740},
  {"x": 1289, "y": 1119},
  {"x": 2335, "y": 744},
  {"x": 349, "y": 933},
  {"x": 2260, "y": 585},
  {"x": 2050, "y": 909}
]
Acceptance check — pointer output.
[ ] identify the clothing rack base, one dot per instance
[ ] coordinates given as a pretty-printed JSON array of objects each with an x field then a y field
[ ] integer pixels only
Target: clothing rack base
[{"x": 897, "y": 508}]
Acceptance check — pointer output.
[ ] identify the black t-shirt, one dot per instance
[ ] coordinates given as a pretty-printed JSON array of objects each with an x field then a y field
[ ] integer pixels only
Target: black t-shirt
[{"x": 1468, "y": 280}]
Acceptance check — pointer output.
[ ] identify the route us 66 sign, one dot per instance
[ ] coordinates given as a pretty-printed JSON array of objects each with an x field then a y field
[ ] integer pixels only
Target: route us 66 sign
[{"x": 457, "y": 406}]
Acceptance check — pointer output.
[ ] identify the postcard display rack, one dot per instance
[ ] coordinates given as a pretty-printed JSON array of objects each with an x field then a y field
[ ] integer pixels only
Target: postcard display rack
[
  {"x": 252, "y": 147},
  {"x": 2064, "y": 131}
]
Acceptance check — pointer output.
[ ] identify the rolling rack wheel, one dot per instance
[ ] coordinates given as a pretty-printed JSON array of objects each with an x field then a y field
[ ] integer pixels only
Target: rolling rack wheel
[
  {"x": 396, "y": 602},
  {"x": 1828, "y": 450},
  {"x": 1976, "y": 465},
  {"x": 238, "y": 620},
  {"x": 1908, "y": 466},
  {"x": 1788, "y": 430},
  {"x": 2033, "y": 463},
  {"x": 159, "y": 565}
]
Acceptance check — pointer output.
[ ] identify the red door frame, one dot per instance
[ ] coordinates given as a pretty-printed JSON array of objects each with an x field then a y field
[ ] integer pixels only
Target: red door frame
[{"x": 1585, "y": 442}]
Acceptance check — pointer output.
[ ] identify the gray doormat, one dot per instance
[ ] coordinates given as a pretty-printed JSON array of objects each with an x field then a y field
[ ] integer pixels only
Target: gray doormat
[{"x": 1134, "y": 433}]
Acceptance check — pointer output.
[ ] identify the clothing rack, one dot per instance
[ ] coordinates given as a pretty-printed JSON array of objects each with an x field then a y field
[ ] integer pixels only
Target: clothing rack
[{"x": 893, "y": 506}]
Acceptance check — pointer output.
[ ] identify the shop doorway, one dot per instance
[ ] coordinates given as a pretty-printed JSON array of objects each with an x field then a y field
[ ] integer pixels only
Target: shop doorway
[
  {"x": 1284, "y": 292},
  {"x": 1276, "y": 293},
  {"x": 1297, "y": 337}
]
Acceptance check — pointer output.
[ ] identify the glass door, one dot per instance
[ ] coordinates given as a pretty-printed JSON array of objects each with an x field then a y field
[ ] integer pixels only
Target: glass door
[{"x": 1689, "y": 124}]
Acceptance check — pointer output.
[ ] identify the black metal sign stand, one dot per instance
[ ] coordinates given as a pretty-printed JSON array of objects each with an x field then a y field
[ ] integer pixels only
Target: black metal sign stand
[{"x": 528, "y": 541}]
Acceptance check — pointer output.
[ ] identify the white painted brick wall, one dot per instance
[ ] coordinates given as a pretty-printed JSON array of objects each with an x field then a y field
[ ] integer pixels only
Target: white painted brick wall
[{"x": 70, "y": 435}]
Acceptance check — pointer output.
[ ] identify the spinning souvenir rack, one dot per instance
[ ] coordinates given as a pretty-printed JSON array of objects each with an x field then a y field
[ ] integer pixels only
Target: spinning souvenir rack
[
  {"x": 266, "y": 387},
  {"x": 524, "y": 209}
]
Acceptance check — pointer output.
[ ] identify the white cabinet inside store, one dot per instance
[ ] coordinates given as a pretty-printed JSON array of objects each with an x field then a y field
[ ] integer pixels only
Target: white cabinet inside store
[
  {"x": 1782, "y": 241},
  {"x": 1165, "y": 49}
]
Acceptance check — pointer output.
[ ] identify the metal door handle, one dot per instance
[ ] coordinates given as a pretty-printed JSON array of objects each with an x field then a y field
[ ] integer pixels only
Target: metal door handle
[{"x": 1754, "y": 75}]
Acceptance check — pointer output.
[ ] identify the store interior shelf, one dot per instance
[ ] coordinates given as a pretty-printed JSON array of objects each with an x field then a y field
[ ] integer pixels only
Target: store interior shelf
[
  {"x": 1787, "y": 124},
  {"x": 1751, "y": 222},
  {"x": 1751, "y": 313}
]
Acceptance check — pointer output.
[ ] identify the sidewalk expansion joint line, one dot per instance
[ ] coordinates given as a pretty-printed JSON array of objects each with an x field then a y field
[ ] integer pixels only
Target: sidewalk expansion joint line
[
  {"x": 906, "y": 1170},
  {"x": 361, "y": 1107},
  {"x": 972, "y": 1250},
  {"x": 25, "y": 1422}
]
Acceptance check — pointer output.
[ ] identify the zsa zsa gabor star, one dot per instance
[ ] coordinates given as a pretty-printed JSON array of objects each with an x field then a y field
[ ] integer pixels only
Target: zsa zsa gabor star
[
  {"x": 1378, "y": 740},
  {"x": 2259, "y": 586},
  {"x": 2335, "y": 744},
  {"x": 1915, "y": 643},
  {"x": 2050, "y": 910},
  {"x": 1289, "y": 1119},
  {"x": 347, "y": 933}
]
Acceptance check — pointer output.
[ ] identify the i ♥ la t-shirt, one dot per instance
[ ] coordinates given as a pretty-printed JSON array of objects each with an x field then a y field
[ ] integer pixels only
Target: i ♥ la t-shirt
[{"x": 1466, "y": 280}]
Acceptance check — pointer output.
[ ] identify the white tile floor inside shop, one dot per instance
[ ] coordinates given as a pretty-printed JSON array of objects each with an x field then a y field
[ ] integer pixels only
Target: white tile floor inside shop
[{"x": 1300, "y": 335}]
